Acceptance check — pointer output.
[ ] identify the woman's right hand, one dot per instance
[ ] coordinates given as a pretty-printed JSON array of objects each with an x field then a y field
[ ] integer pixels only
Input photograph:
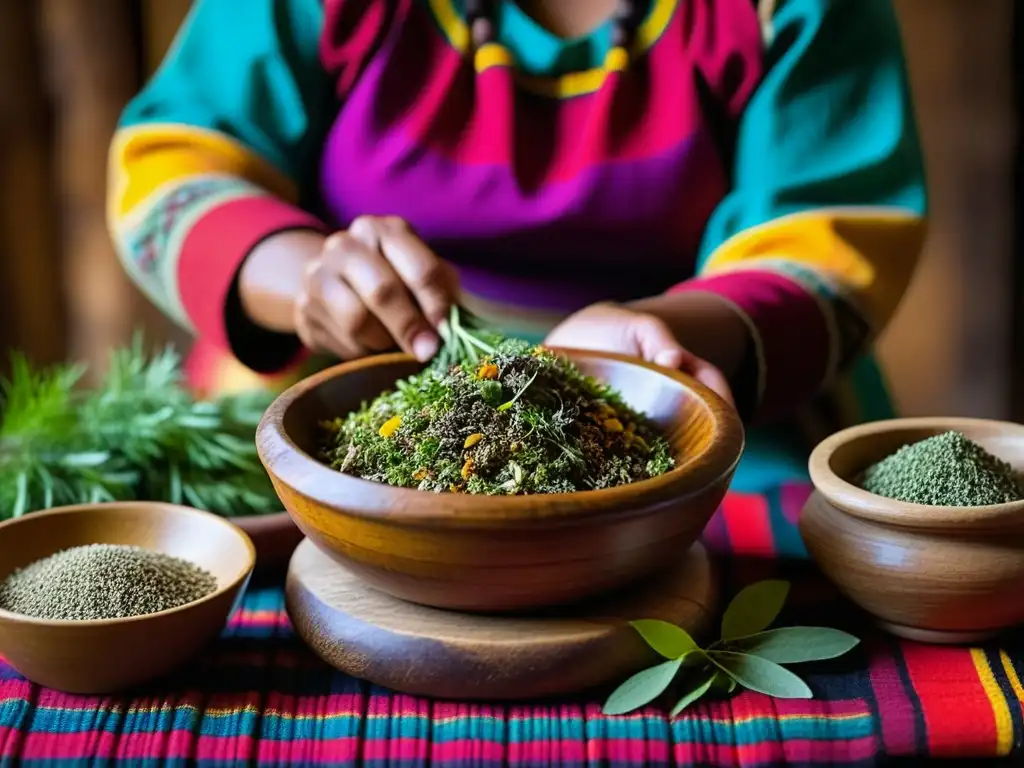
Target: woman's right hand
[{"x": 371, "y": 288}]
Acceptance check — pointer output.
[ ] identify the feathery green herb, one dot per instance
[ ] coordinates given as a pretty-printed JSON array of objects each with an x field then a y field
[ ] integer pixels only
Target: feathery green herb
[
  {"x": 139, "y": 435},
  {"x": 945, "y": 470},
  {"x": 497, "y": 417}
]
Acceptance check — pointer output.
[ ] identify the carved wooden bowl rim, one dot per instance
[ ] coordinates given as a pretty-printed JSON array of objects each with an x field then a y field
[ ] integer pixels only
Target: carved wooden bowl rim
[
  {"x": 291, "y": 466},
  {"x": 842, "y": 493}
]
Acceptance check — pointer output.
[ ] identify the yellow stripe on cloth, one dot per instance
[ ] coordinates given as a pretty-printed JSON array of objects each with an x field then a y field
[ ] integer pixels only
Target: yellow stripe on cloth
[
  {"x": 1000, "y": 707},
  {"x": 868, "y": 253},
  {"x": 570, "y": 84},
  {"x": 146, "y": 158}
]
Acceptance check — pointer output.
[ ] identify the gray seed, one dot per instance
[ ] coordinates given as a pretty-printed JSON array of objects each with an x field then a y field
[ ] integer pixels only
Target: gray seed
[
  {"x": 946, "y": 470},
  {"x": 103, "y": 581}
]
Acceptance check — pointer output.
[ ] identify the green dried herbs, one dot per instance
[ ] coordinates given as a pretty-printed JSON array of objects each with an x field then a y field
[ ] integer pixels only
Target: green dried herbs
[
  {"x": 945, "y": 470},
  {"x": 103, "y": 581},
  {"x": 497, "y": 417}
]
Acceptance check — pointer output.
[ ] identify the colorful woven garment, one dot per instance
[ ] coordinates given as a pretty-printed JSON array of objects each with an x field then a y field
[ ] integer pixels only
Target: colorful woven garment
[{"x": 260, "y": 698}]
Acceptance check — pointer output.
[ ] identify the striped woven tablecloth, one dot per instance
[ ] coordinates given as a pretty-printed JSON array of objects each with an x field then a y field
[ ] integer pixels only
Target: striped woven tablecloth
[{"x": 260, "y": 698}]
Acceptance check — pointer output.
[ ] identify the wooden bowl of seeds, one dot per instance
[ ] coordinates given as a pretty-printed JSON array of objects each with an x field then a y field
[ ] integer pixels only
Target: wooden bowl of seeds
[
  {"x": 503, "y": 552},
  {"x": 103, "y": 597},
  {"x": 941, "y": 562}
]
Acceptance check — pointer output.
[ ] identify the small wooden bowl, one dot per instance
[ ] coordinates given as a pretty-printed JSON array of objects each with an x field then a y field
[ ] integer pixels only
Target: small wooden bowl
[
  {"x": 486, "y": 553},
  {"x": 113, "y": 654},
  {"x": 929, "y": 573}
]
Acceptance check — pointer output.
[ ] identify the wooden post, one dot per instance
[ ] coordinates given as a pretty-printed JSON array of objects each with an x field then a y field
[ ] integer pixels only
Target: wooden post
[
  {"x": 91, "y": 65},
  {"x": 160, "y": 22},
  {"x": 31, "y": 294}
]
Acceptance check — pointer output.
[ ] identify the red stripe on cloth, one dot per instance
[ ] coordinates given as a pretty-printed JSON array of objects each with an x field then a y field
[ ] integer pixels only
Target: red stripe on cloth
[
  {"x": 215, "y": 248},
  {"x": 792, "y": 497},
  {"x": 748, "y": 524},
  {"x": 15, "y": 690},
  {"x": 628, "y": 751},
  {"x": 40, "y": 745},
  {"x": 957, "y": 712},
  {"x": 824, "y": 751},
  {"x": 263, "y": 619},
  {"x": 715, "y": 535},
  {"x": 895, "y": 709}
]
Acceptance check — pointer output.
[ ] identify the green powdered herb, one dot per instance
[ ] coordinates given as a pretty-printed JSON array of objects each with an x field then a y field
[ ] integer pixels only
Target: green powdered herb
[
  {"x": 497, "y": 417},
  {"x": 103, "y": 581},
  {"x": 945, "y": 470}
]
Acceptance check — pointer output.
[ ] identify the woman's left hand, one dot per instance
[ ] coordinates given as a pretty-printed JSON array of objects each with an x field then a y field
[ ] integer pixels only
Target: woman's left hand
[{"x": 615, "y": 328}]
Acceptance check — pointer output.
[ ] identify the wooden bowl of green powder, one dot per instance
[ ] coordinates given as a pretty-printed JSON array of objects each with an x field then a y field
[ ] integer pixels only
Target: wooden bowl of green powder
[
  {"x": 921, "y": 523},
  {"x": 103, "y": 597},
  {"x": 518, "y": 517}
]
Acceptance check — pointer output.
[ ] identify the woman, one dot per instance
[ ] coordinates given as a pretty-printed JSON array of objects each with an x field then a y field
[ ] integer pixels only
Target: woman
[{"x": 736, "y": 194}]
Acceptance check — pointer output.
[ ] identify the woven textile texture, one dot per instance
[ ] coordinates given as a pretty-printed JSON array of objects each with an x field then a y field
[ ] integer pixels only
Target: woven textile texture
[{"x": 260, "y": 698}]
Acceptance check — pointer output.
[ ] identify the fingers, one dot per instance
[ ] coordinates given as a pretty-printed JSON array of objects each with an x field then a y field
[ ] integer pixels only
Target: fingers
[
  {"x": 657, "y": 344},
  {"x": 329, "y": 305},
  {"x": 431, "y": 281},
  {"x": 710, "y": 377},
  {"x": 359, "y": 260}
]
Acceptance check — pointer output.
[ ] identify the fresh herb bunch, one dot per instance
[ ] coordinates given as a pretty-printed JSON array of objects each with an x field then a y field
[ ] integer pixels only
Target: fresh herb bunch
[
  {"x": 140, "y": 435},
  {"x": 748, "y": 654},
  {"x": 497, "y": 417}
]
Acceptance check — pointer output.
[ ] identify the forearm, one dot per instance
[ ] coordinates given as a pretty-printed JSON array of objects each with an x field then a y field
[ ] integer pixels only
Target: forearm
[
  {"x": 271, "y": 278},
  {"x": 705, "y": 324}
]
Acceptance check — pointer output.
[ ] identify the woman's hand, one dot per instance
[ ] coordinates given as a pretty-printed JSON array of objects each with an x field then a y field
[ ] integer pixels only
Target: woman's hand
[
  {"x": 628, "y": 331},
  {"x": 372, "y": 287}
]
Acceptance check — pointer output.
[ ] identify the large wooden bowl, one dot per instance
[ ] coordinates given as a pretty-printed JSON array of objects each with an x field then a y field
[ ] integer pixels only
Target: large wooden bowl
[
  {"x": 937, "y": 574},
  {"x": 502, "y": 553},
  {"x": 113, "y": 654}
]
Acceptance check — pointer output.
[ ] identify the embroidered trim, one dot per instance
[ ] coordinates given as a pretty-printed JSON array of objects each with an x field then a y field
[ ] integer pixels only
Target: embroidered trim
[{"x": 150, "y": 242}]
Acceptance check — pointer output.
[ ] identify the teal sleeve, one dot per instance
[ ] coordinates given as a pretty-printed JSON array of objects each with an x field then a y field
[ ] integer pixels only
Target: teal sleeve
[
  {"x": 218, "y": 152},
  {"x": 818, "y": 237},
  {"x": 831, "y": 124},
  {"x": 249, "y": 69}
]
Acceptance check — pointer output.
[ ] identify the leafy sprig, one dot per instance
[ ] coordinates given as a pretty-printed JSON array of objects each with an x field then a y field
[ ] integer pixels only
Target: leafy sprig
[
  {"x": 139, "y": 435},
  {"x": 749, "y": 654},
  {"x": 465, "y": 341}
]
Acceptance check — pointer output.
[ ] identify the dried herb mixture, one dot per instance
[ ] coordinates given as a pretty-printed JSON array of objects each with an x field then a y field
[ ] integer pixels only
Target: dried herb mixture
[{"x": 497, "y": 417}]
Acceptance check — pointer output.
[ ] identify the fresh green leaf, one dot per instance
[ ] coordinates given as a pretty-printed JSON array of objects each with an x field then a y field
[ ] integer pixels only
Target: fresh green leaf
[
  {"x": 642, "y": 688},
  {"x": 21, "y": 500},
  {"x": 174, "y": 488},
  {"x": 754, "y": 608},
  {"x": 790, "y": 645},
  {"x": 761, "y": 675},
  {"x": 670, "y": 641},
  {"x": 701, "y": 685},
  {"x": 86, "y": 459},
  {"x": 520, "y": 393}
]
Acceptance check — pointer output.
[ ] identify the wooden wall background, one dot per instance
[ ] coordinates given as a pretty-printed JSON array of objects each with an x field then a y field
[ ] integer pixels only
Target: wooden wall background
[{"x": 68, "y": 66}]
